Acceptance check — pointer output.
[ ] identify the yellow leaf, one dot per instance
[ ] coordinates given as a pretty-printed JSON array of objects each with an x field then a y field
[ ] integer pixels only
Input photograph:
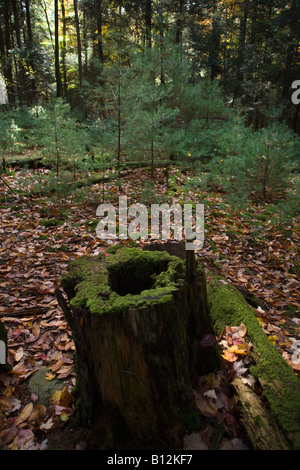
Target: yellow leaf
[
  {"x": 261, "y": 322},
  {"x": 229, "y": 356},
  {"x": 50, "y": 376},
  {"x": 240, "y": 349},
  {"x": 56, "y": 397},
  {"x": 273, "y": 339},
  {"x": 63, "y": 416}
]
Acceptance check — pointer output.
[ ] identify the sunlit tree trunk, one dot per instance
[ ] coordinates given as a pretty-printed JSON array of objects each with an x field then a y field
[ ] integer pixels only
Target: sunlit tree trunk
[
  {"x": 78, "y": 43},
  {"x": 64, "y": 49},
  {"x": 8, "y": 71}
]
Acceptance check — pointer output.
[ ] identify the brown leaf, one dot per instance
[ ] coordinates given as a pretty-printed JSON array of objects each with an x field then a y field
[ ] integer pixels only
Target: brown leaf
[{"x": 25, "y": 413}]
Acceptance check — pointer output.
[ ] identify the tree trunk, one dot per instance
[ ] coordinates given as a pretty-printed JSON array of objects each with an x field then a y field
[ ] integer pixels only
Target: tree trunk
[
  {"x": 136, "y": 319},
  {"x": 98, "y": 38},
  {"x": 30, "y": 46},
  {"x": 8, "y": 71},
  {"x": 78, "y": 43},
  {"x": 57, "y": 67},
  {"x": 64, "y": 49},
  {"x": 148, "y": 22}
]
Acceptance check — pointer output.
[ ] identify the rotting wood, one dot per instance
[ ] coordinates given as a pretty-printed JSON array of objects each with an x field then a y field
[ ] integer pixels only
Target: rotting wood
[
  {"x": 262, "y": 429},
  {"x": 136, "y": 353},
  {"x": 280, "y": 387}
]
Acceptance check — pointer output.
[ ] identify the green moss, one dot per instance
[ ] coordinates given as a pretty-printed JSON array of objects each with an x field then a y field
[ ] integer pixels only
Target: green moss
[
  {"x": 281, "y": 387},
  {"x": 124, "y": 279},
  {"x": 51, "y": 222}
]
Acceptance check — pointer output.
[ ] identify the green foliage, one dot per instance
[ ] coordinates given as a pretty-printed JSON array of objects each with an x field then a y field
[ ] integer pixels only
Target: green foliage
[
  {"x": 10, "y": 132},
  {"x": 254, "y": 165},
  {"x": 60, "y": 138}
]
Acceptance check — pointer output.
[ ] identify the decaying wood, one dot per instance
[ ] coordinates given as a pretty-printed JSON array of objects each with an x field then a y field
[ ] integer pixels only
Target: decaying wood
[
  {"x": 262, "y": 429},
  {"x": 135, "y": 368},
  {"x": 24, "y": 312}
]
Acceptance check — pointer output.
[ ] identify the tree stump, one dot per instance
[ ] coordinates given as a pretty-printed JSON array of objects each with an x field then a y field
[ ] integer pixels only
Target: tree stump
[{"x": 137, "y": 319}]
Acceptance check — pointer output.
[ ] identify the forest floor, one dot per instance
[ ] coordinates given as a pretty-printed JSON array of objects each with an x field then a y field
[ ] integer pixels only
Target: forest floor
[{"x": 41, "y": 233}]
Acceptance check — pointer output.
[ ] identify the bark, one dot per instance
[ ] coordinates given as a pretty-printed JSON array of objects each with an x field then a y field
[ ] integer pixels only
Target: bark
[
  {"x": 8, "y": 71},
  {"x": 135, "y": 363},
  {"x": 78, "y": 43},
  {"x": 262, "y": 429},
  {"x": 148, "y": 22},
  {"x": 98, "y": 38},
  {"x": 64, "y": 49},
  {"x": 30, "y": 45},
  {"x": 57, "y": 66},
  {"x": 28, "y": 20}
]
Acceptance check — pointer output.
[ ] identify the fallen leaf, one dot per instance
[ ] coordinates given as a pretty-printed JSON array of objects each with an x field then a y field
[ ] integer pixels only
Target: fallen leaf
[
  {"x": 242, "y": 330},
  {"x": 19, "y": 354},
  {"x": 63, "y": 416},
  {"x": 229, "y": 356},
  {"x": 38, "y": 410},
  {"x": 25, "y": 413},
  {"x": 36, "y": 330},
  {"x": 57, "y": 366},
  {"x": 48, "y": 424},
  {"x": 240, "y": 349},
  {"x": 50, "y": 376}
]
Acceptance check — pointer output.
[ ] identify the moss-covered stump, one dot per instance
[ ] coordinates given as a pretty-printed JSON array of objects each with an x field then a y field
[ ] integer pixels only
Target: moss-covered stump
[
  {"x": 136, "y": 318},
  {"x": 272, "y": 420}
]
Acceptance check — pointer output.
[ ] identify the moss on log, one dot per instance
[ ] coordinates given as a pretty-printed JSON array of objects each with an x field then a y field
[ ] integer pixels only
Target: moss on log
[
  {"x": 280, "y": 385},
  {"x": 136, "y": 318}
]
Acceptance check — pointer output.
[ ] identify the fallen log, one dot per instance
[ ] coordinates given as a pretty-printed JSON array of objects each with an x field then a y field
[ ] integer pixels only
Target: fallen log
[
  {"x": 137, "y": 318},
  {"x": 273, "y": 420}
]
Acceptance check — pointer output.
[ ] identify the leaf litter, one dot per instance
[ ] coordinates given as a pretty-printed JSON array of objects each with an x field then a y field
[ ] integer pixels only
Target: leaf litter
[{"x": 33, "y": 256}]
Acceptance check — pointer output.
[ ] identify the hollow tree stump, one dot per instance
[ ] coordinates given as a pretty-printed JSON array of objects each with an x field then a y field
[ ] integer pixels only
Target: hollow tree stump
[{"x": 137, "y": 318}]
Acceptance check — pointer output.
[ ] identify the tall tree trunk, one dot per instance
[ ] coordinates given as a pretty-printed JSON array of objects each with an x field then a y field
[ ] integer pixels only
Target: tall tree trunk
[
  {"x": 28, "y": 19},
  {"x": 17, "y": 23},
  {"x": 30, "y": 46},
  {"x": 98, "y": 13},
  {"x": 8, "y": 70},
  {"x": 78, "y": 43},
  {"x": 148, "y": 22},
  {"x": 57, "y": 68},
  {"x": 179, "y": 21},
  {"x": 64, "y": 49},
  {"x": 242, "y": 42},
  {"x": 215, "y": 68},
  {"x": 20, "y": 73}
]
